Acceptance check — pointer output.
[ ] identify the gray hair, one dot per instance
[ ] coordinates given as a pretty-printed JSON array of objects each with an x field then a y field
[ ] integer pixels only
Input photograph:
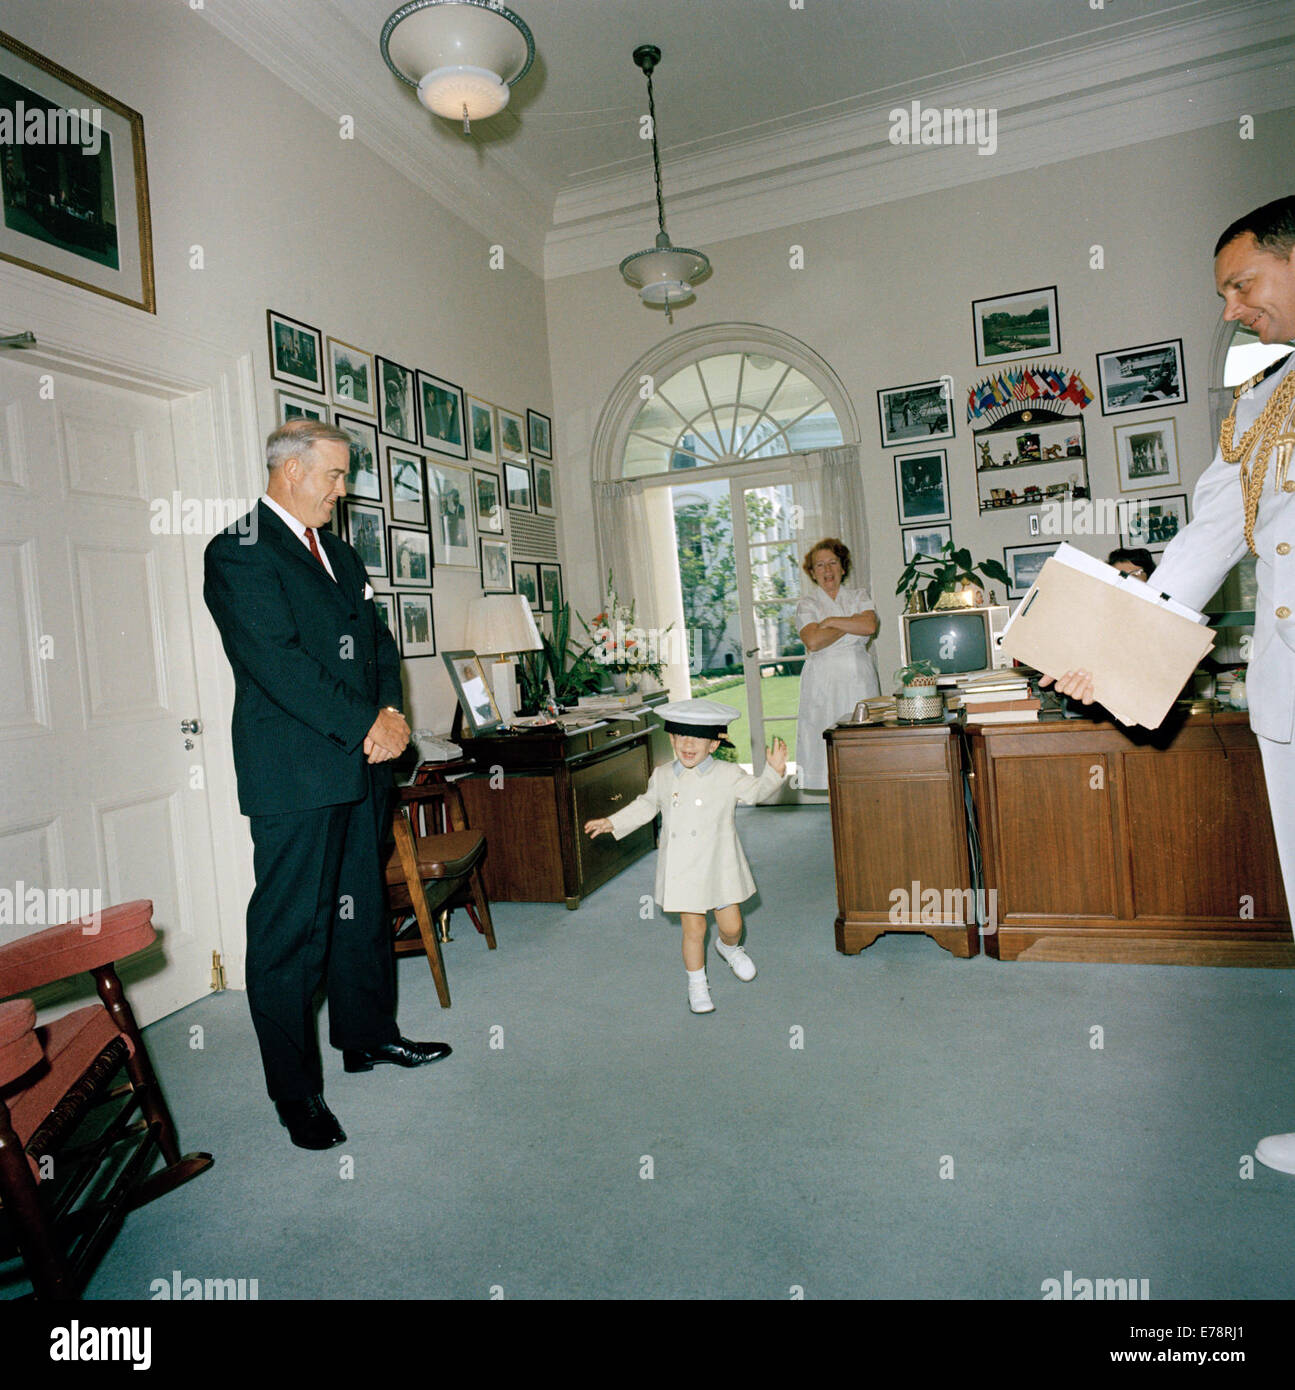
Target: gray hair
[{"x": 297, "y": 439}]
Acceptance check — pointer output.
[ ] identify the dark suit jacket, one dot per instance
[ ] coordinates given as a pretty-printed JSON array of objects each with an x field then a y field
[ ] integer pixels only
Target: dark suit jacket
[{"x": 313, "y": 664}]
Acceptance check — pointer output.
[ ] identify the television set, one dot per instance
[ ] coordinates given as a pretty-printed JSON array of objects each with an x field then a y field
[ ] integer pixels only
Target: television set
[{"x": 956, "y": 641}]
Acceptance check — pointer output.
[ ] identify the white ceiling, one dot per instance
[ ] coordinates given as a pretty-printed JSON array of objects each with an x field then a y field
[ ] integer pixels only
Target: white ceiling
[{"x": 764, "y": 109}]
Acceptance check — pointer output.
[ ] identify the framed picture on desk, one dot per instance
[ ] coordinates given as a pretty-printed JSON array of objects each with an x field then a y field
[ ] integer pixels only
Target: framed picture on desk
[{"x": 477, "y": 705}]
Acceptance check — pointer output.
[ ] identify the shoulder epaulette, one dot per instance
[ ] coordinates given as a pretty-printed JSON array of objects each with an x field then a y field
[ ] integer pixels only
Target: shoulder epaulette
[{"x": 1269, "y": 370}]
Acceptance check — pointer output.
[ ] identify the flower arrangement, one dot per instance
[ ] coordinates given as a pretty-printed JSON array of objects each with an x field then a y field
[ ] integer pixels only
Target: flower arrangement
[{"x": 620, "y": 646}]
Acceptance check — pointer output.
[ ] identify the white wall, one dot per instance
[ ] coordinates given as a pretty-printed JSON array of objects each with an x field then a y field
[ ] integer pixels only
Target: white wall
[{"x": 885, "y": 297}]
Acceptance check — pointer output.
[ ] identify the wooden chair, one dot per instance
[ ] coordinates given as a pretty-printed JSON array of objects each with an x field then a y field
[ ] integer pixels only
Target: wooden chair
[
  {"x": 88, "y": 1071},
  {"x": 429, "y": 875}
]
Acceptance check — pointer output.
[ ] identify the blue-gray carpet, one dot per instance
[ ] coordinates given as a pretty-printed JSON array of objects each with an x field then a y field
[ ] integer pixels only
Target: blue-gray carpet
[{"x": 947, "y": 1129}]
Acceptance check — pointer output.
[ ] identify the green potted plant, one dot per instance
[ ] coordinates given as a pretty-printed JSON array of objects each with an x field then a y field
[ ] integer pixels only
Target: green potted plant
[
  {"x": 942, "y": 573},
  {"x": 574, "y": 672}
]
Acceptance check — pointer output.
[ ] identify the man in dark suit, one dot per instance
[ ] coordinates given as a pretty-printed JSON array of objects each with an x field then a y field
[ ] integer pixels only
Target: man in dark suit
[{"x": 316, "y": 719}]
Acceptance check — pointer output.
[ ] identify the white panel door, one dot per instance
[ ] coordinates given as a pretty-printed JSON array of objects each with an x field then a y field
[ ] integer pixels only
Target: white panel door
[{"x": 101, "y": 792}]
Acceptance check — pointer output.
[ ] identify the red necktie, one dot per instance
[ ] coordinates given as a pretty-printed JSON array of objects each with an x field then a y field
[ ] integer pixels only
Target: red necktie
[{"x": 314, "y": 545}]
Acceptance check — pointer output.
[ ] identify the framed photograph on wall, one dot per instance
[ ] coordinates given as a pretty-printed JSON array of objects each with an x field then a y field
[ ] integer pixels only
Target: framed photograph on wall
[
  {"x": 512, "y": 434},
  {"x": 440, "y": 416},
  {"x": 526, "y": 580},
  {"x": 386, "y": 606},
  {"x": 75, "y": 198},
  {"x": 449, "y": 494},
  {"x": 1023, "y": 563},
  {"x": 1138, "y": 378},
  {"x": 365, "y": 478},
  {"x": 1009, "y": 326},
  {"x": 925, "y": 540},
  {"x": 406, "y": 472},
  {"x": 539, "y": 433},
  {"x": 417, "y": 625},
  {"x": 468, "y": 676},
  {"x": 411, "y": 557},
  {"x": 545, "y": 504},
  {"x": 365, "y": 528},
  {"x": 296, "y": 352},
  {"x": 550, "y": 588},
  {"x": 922, "y": 412},
  {"x": 294, "y": 407},
  {"x": 922, "y": 487},
  {"x": 496, "y": 567},
  {"x": 398, "y": 413},
  {"x": 481, "y": 430},
  {"x": 486, "y": 504},
  {"x": 350, "y": 377},
  {"x": 1154, "y": 521},
  {"x": 518, "y": 489},
  {"x": 1147, "y": 454}
]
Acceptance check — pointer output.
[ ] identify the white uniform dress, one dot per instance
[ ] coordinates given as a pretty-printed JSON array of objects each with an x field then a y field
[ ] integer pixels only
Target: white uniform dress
[
  {"x": 834, "y": 680},
  {"x": 700, "y": 864},
  {"x": 1196, "y": 562}
]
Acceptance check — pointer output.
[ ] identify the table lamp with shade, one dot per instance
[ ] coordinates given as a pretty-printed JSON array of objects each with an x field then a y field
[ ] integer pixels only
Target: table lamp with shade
[{"x": 502, "y": 625}]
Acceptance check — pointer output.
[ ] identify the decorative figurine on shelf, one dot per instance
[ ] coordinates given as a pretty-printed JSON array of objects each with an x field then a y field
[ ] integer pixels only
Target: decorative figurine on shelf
[
  {"x": 1007, "y": 461},
  {"x": 986, "y": 458},
  {"x": 1052, "y": 451}
]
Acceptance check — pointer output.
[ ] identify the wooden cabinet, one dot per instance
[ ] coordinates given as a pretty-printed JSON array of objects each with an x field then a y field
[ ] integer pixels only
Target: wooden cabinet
[
  {"x": 532, "y": 794},
  {"x": 898, "y": 827},
  {"x": 1106, "y": 844}
]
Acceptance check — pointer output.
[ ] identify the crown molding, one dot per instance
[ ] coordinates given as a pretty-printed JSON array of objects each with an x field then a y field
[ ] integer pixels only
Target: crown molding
[{"x": 1125, "y": 92}]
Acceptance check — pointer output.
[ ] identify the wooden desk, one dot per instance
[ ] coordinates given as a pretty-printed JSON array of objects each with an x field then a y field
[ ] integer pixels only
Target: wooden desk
[{"x": 1107, "y": 844}]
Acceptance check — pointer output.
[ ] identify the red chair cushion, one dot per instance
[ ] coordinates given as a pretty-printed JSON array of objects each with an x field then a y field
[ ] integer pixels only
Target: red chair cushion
[
  {"x": 57, "y": 952},
  {"x": 19, "y": 1046}
]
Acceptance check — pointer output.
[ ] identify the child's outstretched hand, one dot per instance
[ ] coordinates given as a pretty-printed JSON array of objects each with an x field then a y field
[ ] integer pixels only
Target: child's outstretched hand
[
  {"x": 776, "y": 756},
  {"x": 594, "y": 828}
]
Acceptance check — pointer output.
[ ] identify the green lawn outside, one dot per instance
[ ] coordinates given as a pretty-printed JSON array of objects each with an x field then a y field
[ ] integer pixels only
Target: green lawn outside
[{"x": 780, "y": 695}]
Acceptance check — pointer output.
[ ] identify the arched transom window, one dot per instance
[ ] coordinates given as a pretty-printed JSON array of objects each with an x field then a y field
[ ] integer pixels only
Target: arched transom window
[{"x": 730, "y": 408}]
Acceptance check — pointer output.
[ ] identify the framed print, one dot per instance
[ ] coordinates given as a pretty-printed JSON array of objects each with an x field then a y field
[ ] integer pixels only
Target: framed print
[
  {"x": 925, "y": 540},
  {"x": 517, "y": 486},
  {"x": 481, "y": 430},
  {"x": 397, "y": 415},
  {"x": 512, "y": 434},
  {"x": 485, "y": 498},
  {"x": 550, "y": 588},
  {"x": 526, "y": 580},
  {"x": 449, "y": 495},
  {"x": 411, "y": 557},
  {"x": 544, "y": 504},
  {"x": 365, "y": 530},
  {"x": 921, "y": 412},
  {"x": 417, "y": 625},
  {"x": 293, "y": 407},
  {"x": 406, "y": 472},
  {"x": 1154, "y": 521},
  {"x": 350, "y": 376},
  {"x": 539, "y": 433},
  {"x": 440, "y": 416},
  {"x": 1147, "y": 455},
  {"x": 1138, "y": 377},
  {"x": 73, "y": 180},
  {"x": 922, "y": 486},
  {"x": 296, "y": 352},
  {"x": 386, "y": 606},
  {"x": 1023, "y": 563},
  {"x": 364, "y": 479},
  {"x": 480, "y": 712},
  {"x": 1016, "y": 325},
  {"x": 496, "y": 568}
]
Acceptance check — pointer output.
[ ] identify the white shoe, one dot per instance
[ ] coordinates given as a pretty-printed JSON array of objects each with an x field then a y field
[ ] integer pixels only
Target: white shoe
[
  {"x": 742, "y": 965},
  {"x": 699, "y": 1000},
  {"x": 1277, "y": 1151}
]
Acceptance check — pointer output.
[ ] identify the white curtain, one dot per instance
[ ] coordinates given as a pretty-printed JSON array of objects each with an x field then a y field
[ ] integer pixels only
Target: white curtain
[{"x": 832, "y": 482}]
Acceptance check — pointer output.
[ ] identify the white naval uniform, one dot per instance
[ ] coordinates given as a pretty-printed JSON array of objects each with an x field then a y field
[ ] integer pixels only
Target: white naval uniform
[
  {"x": 834, "y": 679},
  {"x": 700, "y": 864},
  {"x": 1197, "y": 561}
]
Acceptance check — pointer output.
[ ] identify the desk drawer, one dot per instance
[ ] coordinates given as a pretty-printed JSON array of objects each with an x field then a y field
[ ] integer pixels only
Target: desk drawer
[{"x": 600, "y": 789}]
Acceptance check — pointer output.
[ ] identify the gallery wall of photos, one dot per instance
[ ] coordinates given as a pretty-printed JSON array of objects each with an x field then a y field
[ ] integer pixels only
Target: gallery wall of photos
[
  {"x": 1048, "y": 457},
  {"x": 439, "y": 478}
]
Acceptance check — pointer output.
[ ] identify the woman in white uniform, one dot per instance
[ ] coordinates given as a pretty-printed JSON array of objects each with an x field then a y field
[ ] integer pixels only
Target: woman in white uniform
[{"x": 837, "y": 626}]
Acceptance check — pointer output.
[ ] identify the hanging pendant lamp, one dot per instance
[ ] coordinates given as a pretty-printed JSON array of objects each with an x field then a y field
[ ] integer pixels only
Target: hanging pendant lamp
[
  {"x": 461, "y": 55},
  {"x": 666, "y": 274}
]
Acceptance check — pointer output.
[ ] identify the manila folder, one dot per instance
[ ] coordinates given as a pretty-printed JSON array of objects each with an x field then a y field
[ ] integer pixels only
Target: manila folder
[{"x": 1140, "y": 652}]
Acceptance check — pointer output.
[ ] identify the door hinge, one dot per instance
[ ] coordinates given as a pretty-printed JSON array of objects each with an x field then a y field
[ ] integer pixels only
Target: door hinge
[{"x": 217, "y": 972}]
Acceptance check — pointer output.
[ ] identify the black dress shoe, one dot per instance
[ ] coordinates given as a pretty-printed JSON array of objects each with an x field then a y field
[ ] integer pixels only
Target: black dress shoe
[
  {"x": 402, "y": 1052},
  {"x": 310, "y": 1123}
]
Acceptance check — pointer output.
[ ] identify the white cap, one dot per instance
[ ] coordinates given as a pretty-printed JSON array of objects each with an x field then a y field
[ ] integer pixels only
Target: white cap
[{"x": 700, "y": 718}]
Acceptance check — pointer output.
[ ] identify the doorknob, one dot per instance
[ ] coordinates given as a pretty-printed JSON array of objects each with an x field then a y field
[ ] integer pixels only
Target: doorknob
[
  {"x": 753, "y": 651},
  {"x": 191, "y": 726}
]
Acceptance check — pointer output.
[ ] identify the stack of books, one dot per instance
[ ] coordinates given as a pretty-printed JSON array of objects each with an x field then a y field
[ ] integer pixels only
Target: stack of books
[{"x": 1001, "y": 697}]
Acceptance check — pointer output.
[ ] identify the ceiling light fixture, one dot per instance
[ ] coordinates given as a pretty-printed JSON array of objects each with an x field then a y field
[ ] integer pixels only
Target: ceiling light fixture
[
  {"x": 461, "y": 55},
  {"x": 666, "y": 274}
]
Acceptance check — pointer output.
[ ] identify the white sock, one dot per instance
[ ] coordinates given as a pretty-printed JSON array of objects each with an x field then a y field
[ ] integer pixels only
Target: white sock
[
  {"x": 696, "y": 976},
  {"x": 724, "y": 948}
]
